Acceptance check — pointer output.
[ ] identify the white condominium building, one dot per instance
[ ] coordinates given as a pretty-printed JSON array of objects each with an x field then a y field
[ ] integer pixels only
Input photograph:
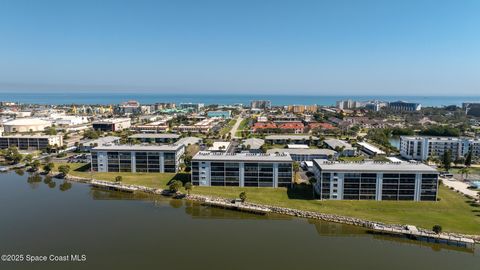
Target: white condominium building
[
  {"x": 422, "y": 148},
  {"x": 375, "y": 181},
  {"x": 137, "y": 158},
  {"x": 242, "y": 170}
]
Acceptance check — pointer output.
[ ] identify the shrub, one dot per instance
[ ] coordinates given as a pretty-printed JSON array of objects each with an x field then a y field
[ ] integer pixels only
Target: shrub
[
  {"x": 243, "y": 196},
  {"x": 175, "y": 185},
  {"x": 437, "y": 228}
]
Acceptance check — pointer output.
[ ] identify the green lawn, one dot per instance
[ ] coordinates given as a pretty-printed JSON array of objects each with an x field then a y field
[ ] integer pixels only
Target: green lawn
[
  {"x": 226, "y": 129},
  {"x": 154, "y": 180},
  {"x": 359, "y": 158},
  {"x": 453, "y": 212},
  {"x": 472, "y": 170},
  {"x": 243, "y": 126}
]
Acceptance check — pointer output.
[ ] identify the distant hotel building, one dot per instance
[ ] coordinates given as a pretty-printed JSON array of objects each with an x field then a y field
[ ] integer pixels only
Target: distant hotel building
[
  {"x": 242, "y": 170},
  {"x": 193, "y": 107},
  {"x": 130, "y": 107},
  {"x": 373, "y": 105},
  {"x": 112, "y": 124},
  {"x": 403, "y": 106},
  {"x": 422, "y": 148},
  {"x": 375, "y": 181},
  {"x": 261, "y": 104},
  {"x": 348, "y": 104},
  {"x": 137, "y": 158},
  {"x": 302, "y": 108},
  {"x": 31, "y": 142}
]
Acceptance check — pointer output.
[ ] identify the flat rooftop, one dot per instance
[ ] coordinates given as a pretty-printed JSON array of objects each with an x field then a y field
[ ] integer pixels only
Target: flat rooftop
[
  {"x": 111, "y": 120},
  {"x": 189, "y": 140},
  {"x": 371, "y": 148},
  {"x": 220, "y": 156},
  {"x": 292, "y": 137},
  {"x": 301, "y": 151},
  {"x": 138, "y": 147},
  {"x": 32, "y": 136},
  {"x": 374, "y": 166},
  {"x": 219, "y": 146},
  {"x": 254, "y": 143},
  {"x": 155, "y": 136},
  {"x": 101, "y": 140},
  {"x": 333, "y": 143}
]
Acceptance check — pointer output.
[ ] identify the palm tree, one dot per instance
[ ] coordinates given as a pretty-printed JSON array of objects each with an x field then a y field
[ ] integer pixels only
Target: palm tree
[
  {"x": 312, "y": 181},
  {"x": 118, "y": 179},
  {"x": 188, "y": 187},
  {"x": 296, "y": 169},
  {"x": 465, "y": 171}
]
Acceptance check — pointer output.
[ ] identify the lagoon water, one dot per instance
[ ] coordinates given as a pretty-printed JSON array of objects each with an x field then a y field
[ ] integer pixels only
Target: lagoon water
[{"x": 124, "y": 231}]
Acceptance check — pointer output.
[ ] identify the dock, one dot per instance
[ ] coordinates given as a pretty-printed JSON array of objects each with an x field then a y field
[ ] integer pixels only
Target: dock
[
  {"x": 112, "y": 186},
  {"x": 411, "y": 232},
  {"x": 237, "y": 206}
]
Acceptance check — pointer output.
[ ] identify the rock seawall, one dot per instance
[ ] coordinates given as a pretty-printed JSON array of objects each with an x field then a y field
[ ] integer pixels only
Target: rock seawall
[{"x": 278, "y": 210}]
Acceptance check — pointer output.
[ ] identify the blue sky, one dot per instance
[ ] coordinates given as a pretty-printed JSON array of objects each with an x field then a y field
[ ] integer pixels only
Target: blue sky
[{"x": 264, "y": 47}]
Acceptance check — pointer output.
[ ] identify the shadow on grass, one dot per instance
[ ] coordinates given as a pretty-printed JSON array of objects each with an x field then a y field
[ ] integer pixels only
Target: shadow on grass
[
  {"x": 182, "y": 177},
  {"x": 84, "y": 168},
  {"x": 300, "y": 192}
]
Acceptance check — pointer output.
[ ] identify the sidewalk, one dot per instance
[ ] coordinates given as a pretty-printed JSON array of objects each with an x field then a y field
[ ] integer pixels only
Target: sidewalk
[{"x": 460, "y": 186}]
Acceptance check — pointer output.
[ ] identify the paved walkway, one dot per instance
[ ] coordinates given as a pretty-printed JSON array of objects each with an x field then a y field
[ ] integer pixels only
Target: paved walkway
[{"x": 460, "y": 186}]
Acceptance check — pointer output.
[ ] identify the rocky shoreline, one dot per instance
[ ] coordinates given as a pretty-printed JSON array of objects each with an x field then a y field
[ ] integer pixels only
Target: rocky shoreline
[{"x": 278, "y": 210}]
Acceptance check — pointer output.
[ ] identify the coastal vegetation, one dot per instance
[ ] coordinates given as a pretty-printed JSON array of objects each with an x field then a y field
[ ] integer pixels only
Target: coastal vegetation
[{"x": 439, "y": 130}]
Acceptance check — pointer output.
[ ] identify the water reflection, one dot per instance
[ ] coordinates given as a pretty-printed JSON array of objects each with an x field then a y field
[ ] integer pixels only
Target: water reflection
[{"x": 198, "y": 211}]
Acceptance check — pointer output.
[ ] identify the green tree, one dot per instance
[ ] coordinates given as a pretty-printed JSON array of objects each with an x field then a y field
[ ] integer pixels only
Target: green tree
[
  {"x": 188, "y": 187},
  {"x": 28, "y": 158},
  {"x": 118, "y": 179},
  {"x": 437, "y": 228},
  {"x": 296, "y": 169},
  {"x": 50, "y": 131},
  {"x": 188, "y": 162},
  {"x": 12, "y": 155},
  {"x": 64, "y": 170},
  {"x": 48, "y": 167},
  {"x": 465, "y": 171},
  {"x": 35, "y": 165},
  {"x": 243, "y": 196},
  {"x": 174, "y": 186},
  {"x": 65, "y": 186},
  {"x": 468, "y": 159},
  {"x": 446, "y": 160}
]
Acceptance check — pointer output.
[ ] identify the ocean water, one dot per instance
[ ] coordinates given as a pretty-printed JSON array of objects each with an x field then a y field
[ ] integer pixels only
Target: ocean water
[{"x": 277, "y": 100}]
